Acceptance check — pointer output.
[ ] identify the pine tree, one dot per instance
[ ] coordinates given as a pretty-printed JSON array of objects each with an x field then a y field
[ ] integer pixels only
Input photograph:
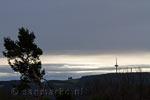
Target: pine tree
[{"x": 23, "y": 57}]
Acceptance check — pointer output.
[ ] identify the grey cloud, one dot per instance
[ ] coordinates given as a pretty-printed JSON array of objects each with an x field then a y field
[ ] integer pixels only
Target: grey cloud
[{"x": 63, "y": 26}]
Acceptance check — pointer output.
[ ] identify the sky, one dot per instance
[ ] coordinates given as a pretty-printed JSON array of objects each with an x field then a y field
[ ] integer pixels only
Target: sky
[{"x": 82, "y": 31}]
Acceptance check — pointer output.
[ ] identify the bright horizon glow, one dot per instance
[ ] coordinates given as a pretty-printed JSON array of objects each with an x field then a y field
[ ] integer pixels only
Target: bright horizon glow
[
  {"x": 82, "y": 65},
  {"x": 99, "y": 60}
]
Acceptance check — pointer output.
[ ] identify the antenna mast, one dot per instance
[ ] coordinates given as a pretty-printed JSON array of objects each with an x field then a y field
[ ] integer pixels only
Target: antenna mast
[{"x": 116, "y": 65}]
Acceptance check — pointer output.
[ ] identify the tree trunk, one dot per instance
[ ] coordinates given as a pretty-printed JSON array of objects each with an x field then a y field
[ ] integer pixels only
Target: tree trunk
[
  {"x": 39, "y": 83},
  {"x": 41, "y": 90}
]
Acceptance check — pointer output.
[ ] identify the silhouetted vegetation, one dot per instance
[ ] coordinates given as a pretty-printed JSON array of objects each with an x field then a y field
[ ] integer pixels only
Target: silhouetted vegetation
[
  {"x": 65, "y": 95},
  {"x": 23, "y": 57},
  {"x": 121, "y": 86}
]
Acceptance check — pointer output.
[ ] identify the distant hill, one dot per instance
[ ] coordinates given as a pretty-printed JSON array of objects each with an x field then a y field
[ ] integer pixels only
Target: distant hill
[
  {"x": 110, "y": 80},
  {"x": 81, "y": 81}
]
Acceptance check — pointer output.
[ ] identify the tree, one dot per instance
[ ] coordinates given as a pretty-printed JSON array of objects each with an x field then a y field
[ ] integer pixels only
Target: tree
[{"x": 23, "y": 57}]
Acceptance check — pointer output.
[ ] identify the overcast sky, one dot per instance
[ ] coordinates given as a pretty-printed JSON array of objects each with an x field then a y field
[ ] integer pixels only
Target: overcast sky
[{"x": 79, "y": 26}]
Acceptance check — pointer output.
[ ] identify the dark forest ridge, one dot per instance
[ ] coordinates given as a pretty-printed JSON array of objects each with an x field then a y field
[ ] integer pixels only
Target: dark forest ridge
[
  {"x": 102, "y": 77},
  {"x": 93, "y": 85}
]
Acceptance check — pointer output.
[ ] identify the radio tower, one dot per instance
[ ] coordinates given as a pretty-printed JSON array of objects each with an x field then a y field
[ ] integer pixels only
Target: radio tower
[{"x": 116, "y": 65}]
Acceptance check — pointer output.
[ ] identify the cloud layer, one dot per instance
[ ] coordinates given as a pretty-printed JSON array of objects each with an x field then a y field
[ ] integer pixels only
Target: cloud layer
[{"x": 68, "y": 26}]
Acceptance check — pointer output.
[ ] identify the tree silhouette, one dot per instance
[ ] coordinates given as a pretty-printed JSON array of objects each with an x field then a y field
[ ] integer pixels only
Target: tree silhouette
[{"x": 23, "y": 57}]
